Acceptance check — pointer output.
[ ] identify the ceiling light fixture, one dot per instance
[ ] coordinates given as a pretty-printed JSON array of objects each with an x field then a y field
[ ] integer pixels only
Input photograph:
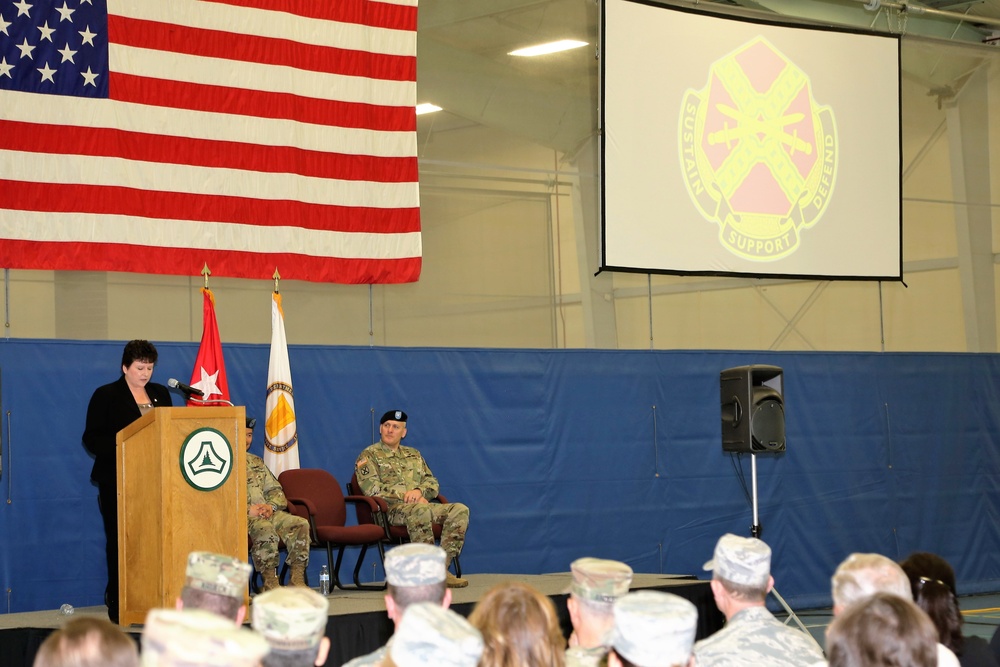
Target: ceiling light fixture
[
  {"x": 427, "y": 107},
  {"x": 551, "y": 47}
]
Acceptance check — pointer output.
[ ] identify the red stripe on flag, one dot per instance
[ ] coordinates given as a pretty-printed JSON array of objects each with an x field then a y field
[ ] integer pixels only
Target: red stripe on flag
[
  {"x": 107, "y": 200},
  {"x": 249, "y": 48},
  {"x": 261, "y": 104},
  {"x": 364, "y": 12},
  {"x": 104, "y": 142},
  {"x": 184, "y": 261}
]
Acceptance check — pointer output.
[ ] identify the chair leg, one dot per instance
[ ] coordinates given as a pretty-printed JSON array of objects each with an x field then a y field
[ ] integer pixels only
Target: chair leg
[{"x": 458, "y": 566}]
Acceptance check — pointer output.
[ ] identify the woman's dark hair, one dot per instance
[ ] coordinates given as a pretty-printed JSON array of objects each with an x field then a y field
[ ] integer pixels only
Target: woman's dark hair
[
  {"x": 932, "y": 581},
  {"x": 883, "y": 629},
  {"x": 138, "y": 350}
]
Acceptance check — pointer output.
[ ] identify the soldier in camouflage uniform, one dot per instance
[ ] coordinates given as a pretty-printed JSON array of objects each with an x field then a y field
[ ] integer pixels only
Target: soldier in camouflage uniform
[
  {"x": 597, "y": 583},
  {"x": 267, "y": 521},
  {"x": 431, "y": 636},
  {"x": 413, "y": 573},
  {"x": 741, "y": 580},
  {"x": 401, "y": 476},
  {"x": 183, "y": 638},
  {"x": 293, "y": 621},
  {"x": 215, "y": 583},
  {"x": 653, "y": 629}
]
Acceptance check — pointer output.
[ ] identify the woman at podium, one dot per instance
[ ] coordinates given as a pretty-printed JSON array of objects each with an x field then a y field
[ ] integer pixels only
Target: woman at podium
[{"x": 113, "y": 407}]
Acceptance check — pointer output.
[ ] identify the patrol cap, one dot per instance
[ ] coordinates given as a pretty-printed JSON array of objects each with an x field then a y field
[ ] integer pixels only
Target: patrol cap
[
  {"x": 432, "y": 636},
  {"x": 654, "y": 629},
  {"x": 741, "y": 560},
  {"x": 251, "y": 422},
  {"x": 290, "y": 618},
  {"x": 216, "y": 573},
  {"x": 181, "y": 638},
  {"x": 600, "y": 580},
  {"x": 415, "y": 564},
  {"x": 394, "y": 415}
]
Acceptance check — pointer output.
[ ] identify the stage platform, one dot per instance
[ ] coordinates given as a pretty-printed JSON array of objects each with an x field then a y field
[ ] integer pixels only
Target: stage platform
[{"x": 358, "y": 623}]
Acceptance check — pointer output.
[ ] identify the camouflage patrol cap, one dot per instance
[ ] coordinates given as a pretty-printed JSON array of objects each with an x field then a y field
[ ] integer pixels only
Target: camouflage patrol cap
[
  {"x": 415, "y": 564},
  {"x": 431, "y": 636},
  {"x": 181, "y": 638},
  {"x": 654, "y": 629},
  {"x": 394, "y": 415},
  {"x": 600, "y": 580},
  {"x": 741, "y": 560},
  {"x": 216, "y": 573},
  {"x": 291, "y": 618}
]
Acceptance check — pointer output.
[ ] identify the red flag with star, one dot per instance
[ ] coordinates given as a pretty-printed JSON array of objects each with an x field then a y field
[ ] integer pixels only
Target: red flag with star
[{"x": 209, "y": 374}]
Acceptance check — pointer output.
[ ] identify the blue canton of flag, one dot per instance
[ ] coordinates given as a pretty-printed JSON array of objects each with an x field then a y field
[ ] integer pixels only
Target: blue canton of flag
[{"x": 55, "y": 49}]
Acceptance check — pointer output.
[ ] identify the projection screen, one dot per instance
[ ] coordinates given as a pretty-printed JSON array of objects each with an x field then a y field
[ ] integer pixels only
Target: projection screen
[{"x": 748, "y": 148}]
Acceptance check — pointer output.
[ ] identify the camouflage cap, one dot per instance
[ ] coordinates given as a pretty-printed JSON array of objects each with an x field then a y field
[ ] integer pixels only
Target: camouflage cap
[
  {"x": 600, "y": 580},
  {"x": 654, "y": 629},
  {"x": 431, "y": 636},
  {"x": 291, "y": 618},
  {"x": 216, "y": 573},
  {"x": 741, "y": 560},
  {"x": 181, "y": 638},
  {"x": 415, "y": 564}
]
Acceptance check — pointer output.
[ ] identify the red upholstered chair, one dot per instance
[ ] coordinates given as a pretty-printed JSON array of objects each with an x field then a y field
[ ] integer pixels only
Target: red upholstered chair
[
  {"x": 318, "y": 493},
  {"x": 393, "y": 534}
]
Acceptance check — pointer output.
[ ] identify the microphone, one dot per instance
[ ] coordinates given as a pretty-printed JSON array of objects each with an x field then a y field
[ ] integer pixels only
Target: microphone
[{"x": 185, "y": 388}]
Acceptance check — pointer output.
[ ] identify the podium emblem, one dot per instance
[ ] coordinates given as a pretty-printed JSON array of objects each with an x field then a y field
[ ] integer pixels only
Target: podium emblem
[{"x": 206, "y": 459}]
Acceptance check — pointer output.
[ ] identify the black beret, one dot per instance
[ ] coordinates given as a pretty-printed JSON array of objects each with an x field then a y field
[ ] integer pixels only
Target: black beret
[
  {"x": 394, "y": 415},
  {"x": 251, "y": 422}
]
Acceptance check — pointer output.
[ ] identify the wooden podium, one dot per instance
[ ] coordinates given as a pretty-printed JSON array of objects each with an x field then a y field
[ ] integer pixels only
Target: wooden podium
[{"x": 182, "y": 485}]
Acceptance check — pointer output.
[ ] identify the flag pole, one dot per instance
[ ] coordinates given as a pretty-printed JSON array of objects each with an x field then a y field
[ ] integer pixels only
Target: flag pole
[
  {"x": 276, "y": 276},
  {"x": 206, "y": 272}
]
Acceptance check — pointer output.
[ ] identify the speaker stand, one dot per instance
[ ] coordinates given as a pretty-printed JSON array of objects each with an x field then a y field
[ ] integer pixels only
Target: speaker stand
[{"x": 755, "y": 531}]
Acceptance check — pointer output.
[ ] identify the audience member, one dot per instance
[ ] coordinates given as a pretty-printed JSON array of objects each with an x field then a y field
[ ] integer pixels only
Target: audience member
[
  {"x": 215, "y": 583},
  {"x": 87, "y": 642},
  {"x": 520, "y": 628},
  {"x": 401, "y": 476},
  {"x": 293, "y": 621},
  {"x": 741, "y": 580},
  {"x": 882, "y": 630},
  {"x": 861, "y": 575},
  {"x": 414, "y": 573},
  {"x": 431, "y": 636},
  {"x": 268, "y": 521},
  {"x": 596, "y": 584},
  {"x": 653, "y": 629},
  {"x": 932, "y": 582},
  {"x": 197, "y": 638}
]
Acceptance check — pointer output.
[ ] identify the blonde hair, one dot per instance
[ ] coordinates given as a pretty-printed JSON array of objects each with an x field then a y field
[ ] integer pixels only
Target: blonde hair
[
  {"x": 88, "y": 642},
  {"x": 520, "y": 628}
]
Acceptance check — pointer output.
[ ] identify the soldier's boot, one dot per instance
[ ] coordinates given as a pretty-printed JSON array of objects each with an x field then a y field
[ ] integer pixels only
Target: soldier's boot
[
  {"x": 270, "y": 580},
  {"x": 298, "y": 575},
  {"x": 451, "y": 581}
]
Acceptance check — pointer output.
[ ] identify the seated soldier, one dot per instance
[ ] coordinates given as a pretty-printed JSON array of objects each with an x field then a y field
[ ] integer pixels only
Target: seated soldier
[{"x": 268, "y": 520}]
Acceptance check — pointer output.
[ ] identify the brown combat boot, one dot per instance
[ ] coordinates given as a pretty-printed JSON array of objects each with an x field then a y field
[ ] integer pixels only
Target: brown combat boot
[
  {"x": 298, "y": 575},
  {"x": 451, "y": 581},
  {"x": 270, "y": 580}
]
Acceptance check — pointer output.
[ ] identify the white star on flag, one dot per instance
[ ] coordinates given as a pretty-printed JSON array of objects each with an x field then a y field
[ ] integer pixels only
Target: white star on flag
[{"x": 207, "y": 383}]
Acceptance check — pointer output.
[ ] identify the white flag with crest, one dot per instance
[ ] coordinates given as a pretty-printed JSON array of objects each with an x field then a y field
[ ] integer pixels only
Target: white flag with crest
[{"x": 281, "y": 438}]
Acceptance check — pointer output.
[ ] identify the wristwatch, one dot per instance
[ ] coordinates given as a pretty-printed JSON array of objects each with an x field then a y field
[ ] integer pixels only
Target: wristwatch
[{"x": 273, "y": 509}]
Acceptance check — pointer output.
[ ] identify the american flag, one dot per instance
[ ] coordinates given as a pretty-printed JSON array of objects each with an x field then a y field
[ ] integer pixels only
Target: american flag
[{"x": 155, "y": 136}]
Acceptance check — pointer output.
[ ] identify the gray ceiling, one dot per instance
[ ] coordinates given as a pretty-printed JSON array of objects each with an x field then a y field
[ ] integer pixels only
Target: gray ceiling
[{"x": 463, "y": 66}]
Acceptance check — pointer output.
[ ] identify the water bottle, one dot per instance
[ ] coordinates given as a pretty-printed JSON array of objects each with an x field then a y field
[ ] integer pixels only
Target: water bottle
[
  {"x": 324, "y": 580},
  {"x": 66, "y": 609}
]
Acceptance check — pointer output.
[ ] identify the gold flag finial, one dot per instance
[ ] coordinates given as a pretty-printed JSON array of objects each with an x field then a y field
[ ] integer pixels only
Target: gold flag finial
[
  {"x": 206, "y": 272},
  {"x": 277, "y": 277}
]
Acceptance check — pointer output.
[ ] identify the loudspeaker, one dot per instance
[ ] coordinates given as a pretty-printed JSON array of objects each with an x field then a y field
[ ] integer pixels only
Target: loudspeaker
[{"x": 753, "y": 412}]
